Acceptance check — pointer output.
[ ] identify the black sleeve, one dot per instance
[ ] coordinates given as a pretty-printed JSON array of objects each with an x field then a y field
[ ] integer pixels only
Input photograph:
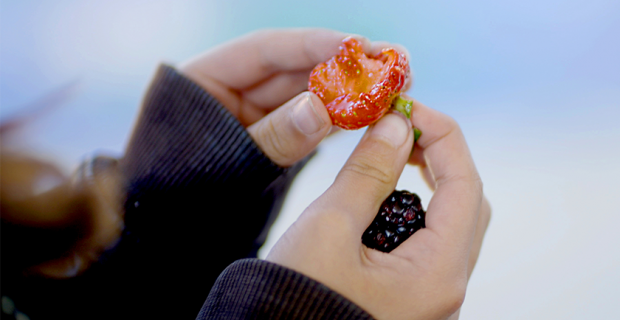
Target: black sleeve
[
  {"x": 200, "y": 194},
  {"x": 256, "y": 289}
]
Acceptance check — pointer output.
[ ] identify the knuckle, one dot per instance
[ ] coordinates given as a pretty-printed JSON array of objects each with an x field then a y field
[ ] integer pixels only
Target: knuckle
[
  {"x": 451, "y": 122},
  {"x": 372, "y": 168},
  {"x": 471, "y": 180},
  {"x": 273, "y": 144},
  {"x": 446, "y": 127},
  {"x": 449, "y": 126}
]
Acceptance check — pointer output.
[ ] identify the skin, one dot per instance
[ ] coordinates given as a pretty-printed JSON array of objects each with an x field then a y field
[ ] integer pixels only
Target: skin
[{"x": 261, "y": 79}]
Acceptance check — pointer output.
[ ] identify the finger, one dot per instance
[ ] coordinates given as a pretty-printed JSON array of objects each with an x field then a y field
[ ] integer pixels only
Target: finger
[
  {"x": 483, "y": 222},
  {"x": 481, "y": 229},
  {"x": 371, "y": 172},
  {"x": 250, "y": 59},
  {"x": 292, "y": 131},
  {"x": 453, "y": 211},
  {"x": 427, "y": 175},
  {"x": 417, "y": 159},
  {"x": 248, "y": 114},
  {"x": 275, "y": 91}
]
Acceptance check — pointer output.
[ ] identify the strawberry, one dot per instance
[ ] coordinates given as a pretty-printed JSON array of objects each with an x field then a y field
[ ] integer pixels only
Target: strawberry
[{"x": 357, "y": 89}]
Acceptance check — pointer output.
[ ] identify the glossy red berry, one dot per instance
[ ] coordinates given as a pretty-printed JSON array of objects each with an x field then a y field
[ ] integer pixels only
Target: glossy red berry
[{"x": 357, "y": 89}]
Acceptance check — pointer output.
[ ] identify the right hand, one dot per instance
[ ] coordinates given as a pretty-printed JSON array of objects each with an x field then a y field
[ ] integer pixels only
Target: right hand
[{"x": 426, "y": 276}]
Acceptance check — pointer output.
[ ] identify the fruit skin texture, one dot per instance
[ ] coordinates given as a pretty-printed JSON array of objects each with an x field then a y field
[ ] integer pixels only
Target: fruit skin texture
[
  {"x": 358, "y": 90},
  {"x": 400, "y": 216}
]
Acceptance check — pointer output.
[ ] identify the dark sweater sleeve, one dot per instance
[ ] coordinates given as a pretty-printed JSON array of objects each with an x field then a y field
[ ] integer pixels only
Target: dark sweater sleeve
[
  {"x": 188, "y": 151},
  {"x": 200, "y": 194},
  {"x": 256, "y": 289}
]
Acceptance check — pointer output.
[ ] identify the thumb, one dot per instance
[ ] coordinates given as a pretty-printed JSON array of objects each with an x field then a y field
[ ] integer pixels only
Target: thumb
[
  {"x": 372, "y": 171},
  {"x": 292, "y": 131}
]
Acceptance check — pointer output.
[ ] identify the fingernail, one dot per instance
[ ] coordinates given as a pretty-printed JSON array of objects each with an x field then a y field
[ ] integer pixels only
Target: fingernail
[
  {"x": 305, "y": 116},
  {"x": 393, "y": 128}
]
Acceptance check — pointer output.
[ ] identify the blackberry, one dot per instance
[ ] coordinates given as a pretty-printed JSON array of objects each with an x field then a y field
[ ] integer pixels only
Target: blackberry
[{"x": 400, "y": 216}]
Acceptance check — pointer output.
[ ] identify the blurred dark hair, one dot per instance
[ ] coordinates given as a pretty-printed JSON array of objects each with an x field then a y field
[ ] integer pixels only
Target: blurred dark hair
[
  {"x": 37, "y": 224},
  {"x": 37, "y": 227}
]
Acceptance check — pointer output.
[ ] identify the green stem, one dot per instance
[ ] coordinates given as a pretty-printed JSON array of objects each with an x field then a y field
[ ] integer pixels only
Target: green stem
[
  {"x": 403, "y": 106},
  {"x": 416, "y": 134}
]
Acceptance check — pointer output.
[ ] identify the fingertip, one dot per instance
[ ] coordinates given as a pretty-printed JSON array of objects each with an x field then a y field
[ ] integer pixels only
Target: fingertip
[
  {"x": 292, "y": 131},
  {"x": 322, "y": 44},
  {"x": 393, "y": 128},
  {"x": 310, "y": 115}
]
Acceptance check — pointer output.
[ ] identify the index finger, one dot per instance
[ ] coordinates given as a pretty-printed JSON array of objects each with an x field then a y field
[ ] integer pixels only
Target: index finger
[
  {"x": 255, "y": 57},
  {"x": 453, "y": 211}
]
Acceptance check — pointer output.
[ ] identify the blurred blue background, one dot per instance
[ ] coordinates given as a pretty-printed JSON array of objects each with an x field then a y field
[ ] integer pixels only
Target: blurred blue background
[{"x": 534, "y": 84}]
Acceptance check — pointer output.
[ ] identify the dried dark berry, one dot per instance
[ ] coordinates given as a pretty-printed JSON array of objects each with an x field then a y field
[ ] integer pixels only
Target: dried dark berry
[{"x": 399, "y": 216}]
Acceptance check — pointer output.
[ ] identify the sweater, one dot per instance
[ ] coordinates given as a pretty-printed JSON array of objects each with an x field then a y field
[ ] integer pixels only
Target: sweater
[{"x": 199, "y": 197}]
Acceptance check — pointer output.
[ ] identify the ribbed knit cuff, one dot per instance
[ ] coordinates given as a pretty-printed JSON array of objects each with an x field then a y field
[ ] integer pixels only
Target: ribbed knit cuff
[
  {"x": 191, "y": 167},
  {"x": 257, "y": 289},
  {"x": 184, "y": 137}
]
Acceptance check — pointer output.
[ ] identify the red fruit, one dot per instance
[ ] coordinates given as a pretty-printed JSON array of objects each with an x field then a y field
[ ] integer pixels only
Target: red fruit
[{"x": 358, "y": 90}]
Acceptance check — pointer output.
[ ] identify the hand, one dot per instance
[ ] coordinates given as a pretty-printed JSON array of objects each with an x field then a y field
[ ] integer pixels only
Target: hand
[
  {"x": 268, "y": 70},
  {"x": 426, "y": 276}
]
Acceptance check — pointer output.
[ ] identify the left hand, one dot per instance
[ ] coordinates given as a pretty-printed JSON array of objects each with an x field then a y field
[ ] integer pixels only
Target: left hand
[
  {"x": 264, "y": 71},
  {"x": 261, "y": 78}
]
